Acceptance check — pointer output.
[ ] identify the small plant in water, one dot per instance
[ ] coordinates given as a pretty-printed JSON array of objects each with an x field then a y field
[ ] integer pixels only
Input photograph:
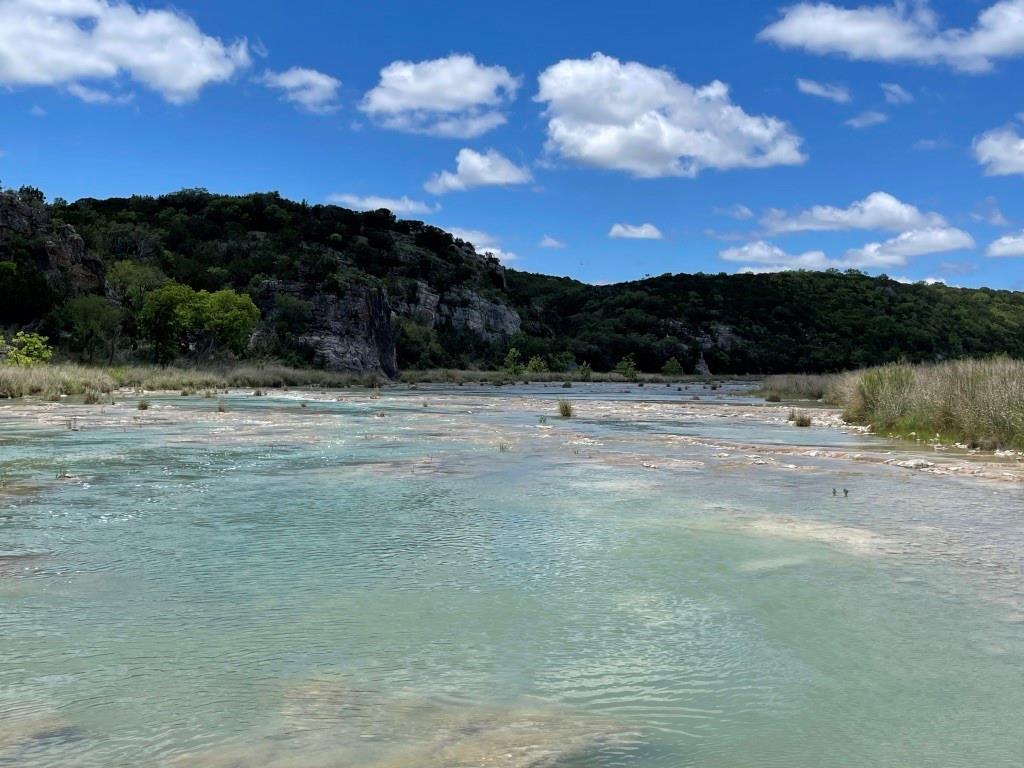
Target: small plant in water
[
  {"x": 566, "y": 385},
  {"x": 802, "y": 420},
  {"x": 542, "y": 420},
  {"x": 91, "y": 397},
  {"x": 504, "y": 446},
  {"x": 257, "y": 392},
  {"x": 565, "y": 409},
  {"x": 143, "y": 404},
  {"x": 221, "y": 407}
]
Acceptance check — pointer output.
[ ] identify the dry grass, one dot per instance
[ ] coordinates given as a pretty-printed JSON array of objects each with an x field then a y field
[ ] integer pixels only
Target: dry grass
[
  {"x": 565, "y": 409},
  {"x": 53, "y": 380},
  {"x": 976, "y": 402}
]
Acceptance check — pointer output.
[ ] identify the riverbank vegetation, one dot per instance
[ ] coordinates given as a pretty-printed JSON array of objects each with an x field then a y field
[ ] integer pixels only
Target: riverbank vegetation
[
  {"x": 979, "y": 403},
  {"x": 54, "y": 380}
]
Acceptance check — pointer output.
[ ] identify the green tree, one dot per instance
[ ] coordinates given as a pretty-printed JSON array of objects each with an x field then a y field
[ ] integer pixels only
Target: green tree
[
  {"x": 130, "y": 281},
  {"x": 177, "y": 319},
  {"x": 513, "y": 362},
  {"x": 166, "y": 319},
  {"x": 585, "y": 371},
  {"x": 227, "y": 319},
  {"x": 626, "y": 367},
  {"x": 672, "y": 367},
  {"x": 25, "y": 349},
  {"x": 94, "y": 324}
]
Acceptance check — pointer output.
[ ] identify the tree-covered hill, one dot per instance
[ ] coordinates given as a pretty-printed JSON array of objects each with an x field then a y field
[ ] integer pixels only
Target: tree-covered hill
[{"x": 198, "y": 275}]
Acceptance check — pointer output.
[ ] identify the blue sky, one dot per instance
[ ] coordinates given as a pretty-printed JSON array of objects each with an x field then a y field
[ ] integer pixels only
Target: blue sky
[{"x": 604, "y": 141}]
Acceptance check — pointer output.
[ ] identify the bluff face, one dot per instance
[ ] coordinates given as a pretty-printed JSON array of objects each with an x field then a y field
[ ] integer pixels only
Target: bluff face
[
  {"x": 364, "y": 291},
  {"x": 332, "y": 285}
]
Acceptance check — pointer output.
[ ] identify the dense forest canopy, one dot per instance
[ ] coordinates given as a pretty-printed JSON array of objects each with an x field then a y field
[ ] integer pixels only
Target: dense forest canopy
[{"x": 194, "y": 274}]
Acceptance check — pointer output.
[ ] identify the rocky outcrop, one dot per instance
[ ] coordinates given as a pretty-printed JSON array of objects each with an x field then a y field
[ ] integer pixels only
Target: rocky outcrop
[
  {"x": 57, "y": 249},
  {"x": 351, "y": 332},
  {"x": 461, "y": 310}
]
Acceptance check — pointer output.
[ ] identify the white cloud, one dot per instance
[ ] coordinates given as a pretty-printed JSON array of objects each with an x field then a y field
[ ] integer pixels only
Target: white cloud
[
  {"x": 630, "y": 117},
  {"x": 988, "y": 211},
  {"x": 62, "y": 42},
  {"x": 761, "y": 256},
  {"x": 484, "y": 242},
  {"x": 765, "y": 257},
  {"x": 867, "y": 119},
  {"x": 549, "y": 242},
  {"x": 37, "y": 111},
  {"x": 473, "y": 169},
  {"x": 1007, "y": 245},
  {"x": 877, "y": 211},
  {"x": 1000, "y": 151},
  {"x": 919, "y": 242},
  {"x": 907, "y": 32},
  {"x": 837, "y": 93},
  {"x": 454, "y": 96},
  {"x": 398, "y": 205},
  {"x": 737, "y": 211},
  {"x": 896, "y": 93},
  {"x": 635, "y": 232},
  {"x": 96, "y": 96},
  {"x": 311, "y": 90}
]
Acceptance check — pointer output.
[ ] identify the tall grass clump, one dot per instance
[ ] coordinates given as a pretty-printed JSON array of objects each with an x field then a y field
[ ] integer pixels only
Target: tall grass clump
[
  {"x": 977, "y": 402},
  {"x": 823, "y": 387},
  {"x": 565, "y": 409}
]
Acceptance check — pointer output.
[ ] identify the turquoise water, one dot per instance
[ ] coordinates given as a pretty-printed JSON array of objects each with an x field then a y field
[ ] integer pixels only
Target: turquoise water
[{"x": 309, "y": 581}]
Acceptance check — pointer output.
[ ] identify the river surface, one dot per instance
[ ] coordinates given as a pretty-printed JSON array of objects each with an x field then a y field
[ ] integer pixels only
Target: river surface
[{"x": 457, "y": 577}]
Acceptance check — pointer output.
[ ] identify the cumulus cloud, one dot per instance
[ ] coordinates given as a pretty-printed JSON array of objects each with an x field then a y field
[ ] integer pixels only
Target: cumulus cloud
[
  {"x": 765, "y": 257},
  {"x": 473, "y": 169},
  {"x": 877, "y": 211},
  {"x": 761, "y": 256},
  {"x": 549, "y": 242},
  {"x": 920, "y": 242},
  {"x": 454, "y": 96},
  {"x": 630, "y": 117},
  {"x": 896, "y": 93},
  {"x": 309, "y": 89},
  {"x": 403, "y": 206},
  {"x": 635, "y": 232},
  {"x": 1007, "y": 245},
  {"x": 63, "y": 42},
  {"x": 484, "y": 242},
  {"x": 867, "y": 119},
  {"x": 837, "y": 93},
  {"x": 1000, "y": 151},
  {"x": 901, "y": 32}
]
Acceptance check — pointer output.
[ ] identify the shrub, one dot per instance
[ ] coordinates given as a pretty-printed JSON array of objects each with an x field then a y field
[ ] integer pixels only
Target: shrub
[
  {"x": 25, "y": 349},
  {"x": 565, "y": 409},
  {"x": 513, "y": 362},
  {"x": 672, "y": 367},
  {"x": 143, "y": 404},
  {"x": 626, "y": 367},
  {"x": 585, "y": 371},
  {"x": 537, "y": 364}
]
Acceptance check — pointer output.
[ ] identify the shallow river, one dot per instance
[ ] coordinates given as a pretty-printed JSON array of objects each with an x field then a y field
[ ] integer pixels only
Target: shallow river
[{"x": 456, "y": 577}]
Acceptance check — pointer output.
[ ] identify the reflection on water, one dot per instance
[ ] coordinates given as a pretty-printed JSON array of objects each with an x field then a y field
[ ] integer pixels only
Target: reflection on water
[{"x": 660, "y": 582}]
